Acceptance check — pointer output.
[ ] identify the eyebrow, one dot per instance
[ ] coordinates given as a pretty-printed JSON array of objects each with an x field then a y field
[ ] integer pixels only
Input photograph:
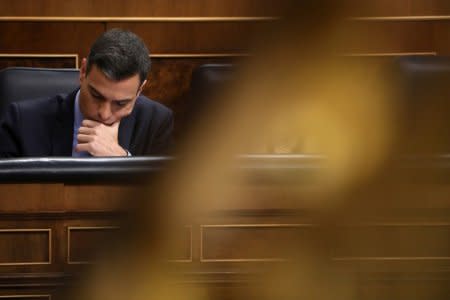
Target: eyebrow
[{"x": 93, "y": 89}]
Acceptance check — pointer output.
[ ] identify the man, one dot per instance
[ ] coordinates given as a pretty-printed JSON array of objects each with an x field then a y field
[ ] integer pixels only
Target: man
[{"x": 106, "y": 116}]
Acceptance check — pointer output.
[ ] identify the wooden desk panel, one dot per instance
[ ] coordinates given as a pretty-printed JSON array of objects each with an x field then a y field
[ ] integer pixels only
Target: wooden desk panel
[
  {"x": 31, "y": 197},
  {"x": 49, "y": 231},
  {"x": 21, "y": 247}
]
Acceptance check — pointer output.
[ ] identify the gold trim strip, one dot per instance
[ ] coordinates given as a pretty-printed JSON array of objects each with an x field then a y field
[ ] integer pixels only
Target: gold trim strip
[
  {"x": 201, "y": 19},
  {"x": 403, "y": 18},
  {"x": 69, "y": 228},
  {"x": 134, "y": 19},
  {"x": 49, "y": 230},
  {"x": 259, "y": 225},
  {"x": 392, "y": 258},
  {"x": 383, "y": 54},
  {"x": 202, "y": 259},
  {"x": 401, "y": 224},
  {"x": 244, "y": 260},
  {"x": 25, "y": 296},
  {"x": 91, "y": 227},
  {"x": 197, "y": 55},
  {"x": 375, "y": 224},
  {"x": 45, "y": 55}
]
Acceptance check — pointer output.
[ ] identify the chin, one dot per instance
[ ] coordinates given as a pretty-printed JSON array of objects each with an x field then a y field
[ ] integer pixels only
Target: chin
[
  {"x": 108, "y": 123},
  {"x": 105, "y": 122}
]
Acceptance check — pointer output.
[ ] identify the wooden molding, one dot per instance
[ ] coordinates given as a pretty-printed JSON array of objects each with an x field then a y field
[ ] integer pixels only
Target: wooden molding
[
  {"x": 43, "y": 55},
  {"x": 70, "y": 228},
  {"x": 48, "y": 230},
  {"x": 402, "y": 18},
  {"x": 202, "y": 259},
  {"x": 202, "y": 19},
  {"x": 25, "y": 296},
  {"x": 197, "y": 55},
  {"x": 392, "y": 258},
  {"x": 388, "y": 54},
  {"x": 402, "y": 224},
  {"x": 134, "y": 19}
]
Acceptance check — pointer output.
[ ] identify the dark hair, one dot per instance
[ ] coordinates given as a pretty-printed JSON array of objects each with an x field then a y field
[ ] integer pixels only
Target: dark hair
[{"x": 119, "y": 54}]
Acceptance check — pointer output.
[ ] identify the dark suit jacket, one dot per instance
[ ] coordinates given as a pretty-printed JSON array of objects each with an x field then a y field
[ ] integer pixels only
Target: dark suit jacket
[{"x": 44, "y": 127}]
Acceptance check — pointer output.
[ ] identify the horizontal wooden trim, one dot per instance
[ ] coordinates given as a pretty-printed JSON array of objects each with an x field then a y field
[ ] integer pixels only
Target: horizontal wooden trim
[
  {"x": 403, "y": 18},
  {"x": 25, "y": 296},
  {"x": 42, "y": 55},
  {"x": 134, "y": 19},
  {"x": 256, "y": 225},
  {"x": 197, "y": 55},
  {"x": 91, "y": 227},
  {"x": 224, "y": 55},
  {"x": 71, "y": 55},
  {"x": 59, "y": 215},
  {"x": 401, "y": 224},
  {"x": 387, "y": 54},
  {"x": 244, "y": 260},
  {"x": 156, "y": 55},
  {"x": 372, "y": 224},
  {"x": 201, "y": 19},
  {"x": 393, "y": 258}
]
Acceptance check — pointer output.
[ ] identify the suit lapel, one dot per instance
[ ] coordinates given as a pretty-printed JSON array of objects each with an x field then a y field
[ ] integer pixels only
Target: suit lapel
[
  {"x": 126, "y": 130},
  {"x": 62, "y": 137}
]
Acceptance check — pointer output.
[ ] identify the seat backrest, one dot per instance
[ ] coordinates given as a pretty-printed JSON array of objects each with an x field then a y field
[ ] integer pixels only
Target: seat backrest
[
  {"x": 427, "y": 89},
  {"x": 18, "y": 83},
  {"x": 425, "y": 64},
  {"x": 426, "y": 78},
  {"x": 211, "y": 74},
  {"x": 207, "y": 80}
]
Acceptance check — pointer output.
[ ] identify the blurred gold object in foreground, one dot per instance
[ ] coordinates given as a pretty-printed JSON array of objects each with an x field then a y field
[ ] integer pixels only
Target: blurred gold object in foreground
[{"x": 299, "y": 94}]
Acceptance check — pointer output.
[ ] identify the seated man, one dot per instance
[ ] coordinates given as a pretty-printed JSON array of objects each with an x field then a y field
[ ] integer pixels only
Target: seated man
[{"x": 106, "y": 116}]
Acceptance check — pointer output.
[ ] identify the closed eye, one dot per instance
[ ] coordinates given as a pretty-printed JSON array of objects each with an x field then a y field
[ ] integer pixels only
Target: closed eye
[
  {"x": 122, "y": 103},
  {"x": 95, "y": 94}
]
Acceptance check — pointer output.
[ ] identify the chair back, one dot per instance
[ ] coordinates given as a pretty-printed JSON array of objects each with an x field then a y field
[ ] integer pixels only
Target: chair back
[{"x": 19, "y": 83}]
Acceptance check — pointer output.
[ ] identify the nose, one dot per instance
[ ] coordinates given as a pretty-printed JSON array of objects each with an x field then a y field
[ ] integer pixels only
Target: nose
[{"x": 104, "y": 111}]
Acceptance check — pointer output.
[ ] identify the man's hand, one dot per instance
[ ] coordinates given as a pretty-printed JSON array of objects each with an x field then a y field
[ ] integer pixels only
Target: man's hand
[{"x": 99, "y": 139}]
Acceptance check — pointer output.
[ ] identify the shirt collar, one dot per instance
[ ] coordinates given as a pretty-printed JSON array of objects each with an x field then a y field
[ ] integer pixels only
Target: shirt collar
[
  {"x": 78, "y": 115},
  {"x": 77, "y": 119}
]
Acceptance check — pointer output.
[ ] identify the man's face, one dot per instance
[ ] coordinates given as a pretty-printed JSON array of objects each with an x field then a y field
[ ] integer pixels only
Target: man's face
[{"x": 105, "y": 100}]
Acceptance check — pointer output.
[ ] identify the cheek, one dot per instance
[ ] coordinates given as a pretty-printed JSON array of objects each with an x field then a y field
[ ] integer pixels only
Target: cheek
[
  {"x": 87, "y": 105},
  {"x": 122, "y": 112}
]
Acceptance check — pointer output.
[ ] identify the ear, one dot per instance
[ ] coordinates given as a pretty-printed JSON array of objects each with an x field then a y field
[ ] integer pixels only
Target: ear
[
  {"x": 83, "y": 69},
  {"x": 142, "y": 87}
]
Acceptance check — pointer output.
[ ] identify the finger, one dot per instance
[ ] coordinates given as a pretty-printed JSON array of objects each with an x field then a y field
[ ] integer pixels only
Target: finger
[
  {"x": 90, "y": 123},
  {"x": 86, "y": 130},
  {"x": 84, "y": 138},
  {"x": 83, "y": 148}
]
